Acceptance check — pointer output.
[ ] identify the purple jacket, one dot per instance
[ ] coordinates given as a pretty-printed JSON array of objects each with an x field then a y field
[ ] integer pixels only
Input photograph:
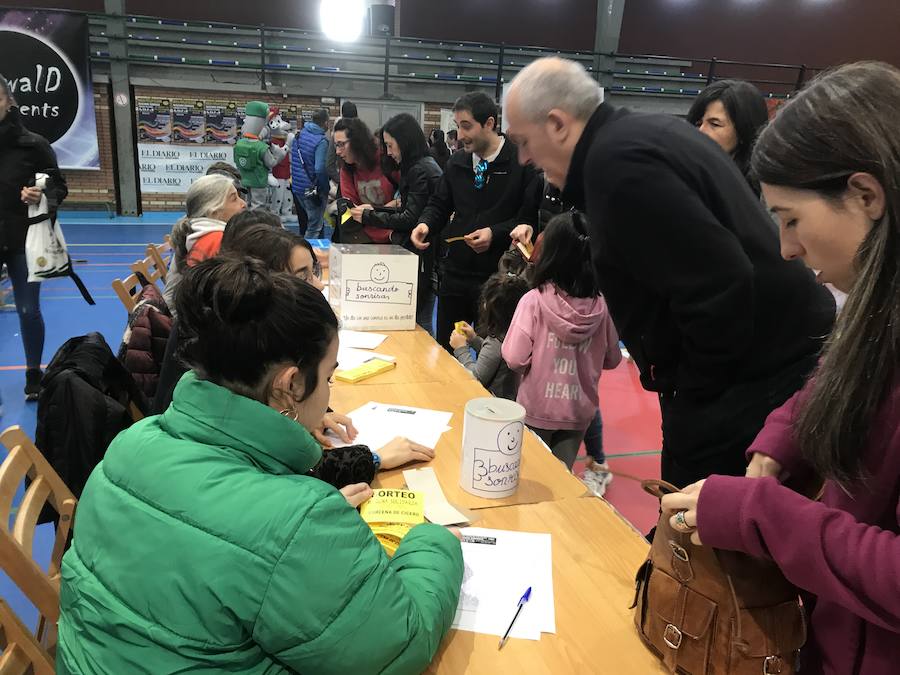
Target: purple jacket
[
  {"x": 843, "y": 549},
  {"x": 560, "y": 344}
]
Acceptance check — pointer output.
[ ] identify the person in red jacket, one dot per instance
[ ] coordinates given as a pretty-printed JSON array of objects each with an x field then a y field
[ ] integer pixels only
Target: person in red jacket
[{"x": 830, "y": 170}]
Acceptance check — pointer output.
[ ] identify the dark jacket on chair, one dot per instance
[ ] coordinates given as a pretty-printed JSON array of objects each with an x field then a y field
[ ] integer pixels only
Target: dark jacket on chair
[
  {"x": 144, "y": 343},
  {"x": 84, "y": 404}
]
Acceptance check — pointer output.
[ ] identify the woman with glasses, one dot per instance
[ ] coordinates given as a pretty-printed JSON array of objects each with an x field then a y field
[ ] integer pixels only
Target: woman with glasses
[
  {"x": 364, "y": 183},
  {"x": 407, "y": 151}
]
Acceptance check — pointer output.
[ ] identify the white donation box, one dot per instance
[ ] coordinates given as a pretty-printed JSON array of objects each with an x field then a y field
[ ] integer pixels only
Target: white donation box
[{"x": 373, "y": 286}]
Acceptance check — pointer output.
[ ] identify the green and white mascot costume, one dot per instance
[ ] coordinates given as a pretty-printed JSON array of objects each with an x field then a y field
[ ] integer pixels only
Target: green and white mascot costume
[{"x": 254, "y": 156}]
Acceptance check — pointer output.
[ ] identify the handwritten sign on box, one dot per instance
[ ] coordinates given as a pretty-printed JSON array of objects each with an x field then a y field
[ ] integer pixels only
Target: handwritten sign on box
[{"x": 373, "y": 286}]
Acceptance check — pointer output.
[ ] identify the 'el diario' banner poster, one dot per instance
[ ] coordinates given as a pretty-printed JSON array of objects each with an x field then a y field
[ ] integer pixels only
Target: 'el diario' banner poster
[{"x": 44, "y": 55}]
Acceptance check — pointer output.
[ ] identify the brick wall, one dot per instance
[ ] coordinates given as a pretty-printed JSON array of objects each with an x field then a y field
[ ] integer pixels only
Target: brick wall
[
  {"x": 432, "y": 119},
  {"x": 94, "y": 186}
]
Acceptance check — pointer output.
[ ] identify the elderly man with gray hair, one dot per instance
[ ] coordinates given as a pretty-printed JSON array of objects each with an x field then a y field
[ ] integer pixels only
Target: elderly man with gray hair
[{"x": 719, "y": 324}]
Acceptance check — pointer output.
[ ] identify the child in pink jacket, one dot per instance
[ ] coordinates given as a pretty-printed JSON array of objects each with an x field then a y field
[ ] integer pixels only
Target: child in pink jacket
[{"x": 560, "y": 339}]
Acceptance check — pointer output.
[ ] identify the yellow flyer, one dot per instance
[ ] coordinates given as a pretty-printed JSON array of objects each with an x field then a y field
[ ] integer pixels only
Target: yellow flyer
[{"x": 394, "y": 507}]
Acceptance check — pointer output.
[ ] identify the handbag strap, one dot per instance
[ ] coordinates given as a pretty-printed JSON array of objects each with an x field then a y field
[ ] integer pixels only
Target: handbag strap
[{"x": 654, "y": 486}]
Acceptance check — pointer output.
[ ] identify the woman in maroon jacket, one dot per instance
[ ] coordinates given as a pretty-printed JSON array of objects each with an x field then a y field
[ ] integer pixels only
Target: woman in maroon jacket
[{"x": 830, "y": 170}]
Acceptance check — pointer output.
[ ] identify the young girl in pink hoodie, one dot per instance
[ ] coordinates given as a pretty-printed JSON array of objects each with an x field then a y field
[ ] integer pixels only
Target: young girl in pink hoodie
[{"x": 561, "y": 338}]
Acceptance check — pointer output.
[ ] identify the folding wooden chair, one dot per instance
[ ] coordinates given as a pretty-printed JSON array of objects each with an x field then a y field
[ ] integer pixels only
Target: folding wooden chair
[
  {"x": 162, "y": 255},
  {"x": 16, "y": 544},
  {"x": 128, "y": 290},
  {"x": 150, "y": 268},
  {"x": 21, "y": 652}
]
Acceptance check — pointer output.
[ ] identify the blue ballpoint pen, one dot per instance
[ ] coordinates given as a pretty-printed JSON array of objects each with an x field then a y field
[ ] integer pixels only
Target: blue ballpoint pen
[{"x": 522, "y": 601}]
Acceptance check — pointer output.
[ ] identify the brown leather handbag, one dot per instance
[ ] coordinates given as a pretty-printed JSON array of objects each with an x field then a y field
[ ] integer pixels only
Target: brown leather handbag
[{"x": 709, "y": 612}]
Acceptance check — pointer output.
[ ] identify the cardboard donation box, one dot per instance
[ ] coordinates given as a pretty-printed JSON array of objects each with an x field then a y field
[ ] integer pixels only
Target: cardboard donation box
[{"x": 373, "y": 286}]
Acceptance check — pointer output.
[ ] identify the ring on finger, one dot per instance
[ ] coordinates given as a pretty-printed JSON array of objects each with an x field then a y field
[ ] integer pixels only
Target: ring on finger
[{"x": 680, "y": 522}]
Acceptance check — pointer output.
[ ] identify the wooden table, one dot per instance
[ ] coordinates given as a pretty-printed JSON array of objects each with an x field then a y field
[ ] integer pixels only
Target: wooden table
[
  {"x": 595, "y": 557},
  {"x": 419, "y": 359},
  {"x": 542, "y": 477}
]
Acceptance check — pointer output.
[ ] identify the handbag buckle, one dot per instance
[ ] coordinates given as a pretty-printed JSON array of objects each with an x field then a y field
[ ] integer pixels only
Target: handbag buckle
[
  {"x": 672, "y": 637},
  {"x": 679, "y": 551},
  {"x": 772, "y": 665}
]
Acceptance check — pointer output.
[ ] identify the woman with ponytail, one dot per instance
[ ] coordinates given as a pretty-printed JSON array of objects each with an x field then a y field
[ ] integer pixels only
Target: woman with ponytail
[
  {"x": 561, "y": 339},
  {"x": 210, "y": 202},
  {"x": 829, "y": 165},
  {"x": 202, "y": 547}
]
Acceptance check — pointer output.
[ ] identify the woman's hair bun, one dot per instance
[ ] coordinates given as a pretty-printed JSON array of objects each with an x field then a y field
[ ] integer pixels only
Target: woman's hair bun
[{"x": 225, "y": 290}]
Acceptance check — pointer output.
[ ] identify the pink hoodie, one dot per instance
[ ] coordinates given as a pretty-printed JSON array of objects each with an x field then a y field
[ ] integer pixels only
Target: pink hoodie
[{"x": 560, "y": 344}]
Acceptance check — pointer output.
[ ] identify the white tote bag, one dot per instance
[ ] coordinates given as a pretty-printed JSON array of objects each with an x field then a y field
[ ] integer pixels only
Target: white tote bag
[{"x": 45, "y": 246}]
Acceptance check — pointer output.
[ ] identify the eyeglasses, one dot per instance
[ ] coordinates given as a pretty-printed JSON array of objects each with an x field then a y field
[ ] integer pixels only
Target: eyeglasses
[
  {"x": 340, "y": 145},
  {"x": 480, "y": 170},
  {"x": 306, "y": 275}
]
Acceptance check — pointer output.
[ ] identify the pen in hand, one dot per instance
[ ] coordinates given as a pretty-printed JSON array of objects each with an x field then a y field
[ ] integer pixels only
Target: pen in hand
[{"x": 522, "y": 601}]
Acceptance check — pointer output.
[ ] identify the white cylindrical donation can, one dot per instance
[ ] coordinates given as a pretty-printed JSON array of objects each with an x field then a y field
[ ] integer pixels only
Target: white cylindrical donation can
[{"x": 492, "y": 447}]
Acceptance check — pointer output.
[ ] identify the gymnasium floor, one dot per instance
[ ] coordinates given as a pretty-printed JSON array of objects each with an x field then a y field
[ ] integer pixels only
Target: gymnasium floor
[{"x": 102, "y": 249}]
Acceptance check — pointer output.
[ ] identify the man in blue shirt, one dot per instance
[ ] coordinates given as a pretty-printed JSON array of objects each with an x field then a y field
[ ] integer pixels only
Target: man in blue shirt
[{"x": 309, "y": 179}]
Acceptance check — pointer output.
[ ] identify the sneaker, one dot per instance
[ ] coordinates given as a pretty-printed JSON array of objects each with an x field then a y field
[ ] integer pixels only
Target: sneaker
[
  {"x": 596, "y": 480},
  {"x": 33, "y": 383}
]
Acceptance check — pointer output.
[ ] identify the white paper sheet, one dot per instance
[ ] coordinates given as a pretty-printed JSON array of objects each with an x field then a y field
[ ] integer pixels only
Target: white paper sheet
[
  {"x": 349, "y": 358},
  {"x": 499, "y": 566},
  {"x": 360, "y": 340},
  {"x": 380, "y": 423},
  {"x": 437, "y": 509}
]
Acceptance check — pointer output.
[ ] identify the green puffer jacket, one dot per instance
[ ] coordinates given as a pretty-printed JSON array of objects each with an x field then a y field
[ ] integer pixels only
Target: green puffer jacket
[{"x": 199, "y": 547}]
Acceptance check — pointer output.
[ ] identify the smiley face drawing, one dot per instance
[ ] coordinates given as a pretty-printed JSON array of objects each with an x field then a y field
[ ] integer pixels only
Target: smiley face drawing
[
  {"x": 380, "y": 273},
  {"x": 509, "y": 440}
]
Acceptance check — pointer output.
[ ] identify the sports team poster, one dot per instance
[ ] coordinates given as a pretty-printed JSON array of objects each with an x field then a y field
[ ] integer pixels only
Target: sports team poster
[
  {"x": 154, "y": 120},
  {"x": 44, "y": 56},
  {"x": 221, "y": 122},
  {"x": 189, "y": 122}
]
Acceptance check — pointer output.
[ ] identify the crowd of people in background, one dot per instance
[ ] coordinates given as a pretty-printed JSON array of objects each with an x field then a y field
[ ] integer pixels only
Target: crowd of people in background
[{"x": 704, "y": 247}]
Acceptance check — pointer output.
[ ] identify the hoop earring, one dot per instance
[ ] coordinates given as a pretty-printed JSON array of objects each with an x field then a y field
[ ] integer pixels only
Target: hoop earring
[{"x": 291, "y": 414}]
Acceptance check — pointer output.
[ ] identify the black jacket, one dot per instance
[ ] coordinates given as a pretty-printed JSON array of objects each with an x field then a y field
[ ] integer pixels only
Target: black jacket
[
  {"x": 417, "y": 184},
  {"x": 688, "y": 258},
  {"x": 23, "y": 154},
  {"x": 506, "y": 200},
  {"x": 84, "y": 402}
]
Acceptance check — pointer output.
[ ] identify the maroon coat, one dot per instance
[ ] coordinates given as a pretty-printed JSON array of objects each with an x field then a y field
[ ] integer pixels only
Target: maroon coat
[{"x": 144, "y": 343}]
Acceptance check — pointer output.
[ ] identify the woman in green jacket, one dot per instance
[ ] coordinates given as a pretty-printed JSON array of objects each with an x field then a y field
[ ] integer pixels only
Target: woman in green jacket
[{"x": 201, "y": 547}]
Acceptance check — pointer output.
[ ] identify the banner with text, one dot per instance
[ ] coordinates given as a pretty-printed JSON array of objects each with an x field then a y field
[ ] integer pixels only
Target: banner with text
[
  {"x": 44, "y": 56},
  {"x": 172, "y": 168}
]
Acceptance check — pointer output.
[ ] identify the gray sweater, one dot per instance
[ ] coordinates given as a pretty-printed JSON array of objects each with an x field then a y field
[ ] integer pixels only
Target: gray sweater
[{"x": 490, "y": 369}]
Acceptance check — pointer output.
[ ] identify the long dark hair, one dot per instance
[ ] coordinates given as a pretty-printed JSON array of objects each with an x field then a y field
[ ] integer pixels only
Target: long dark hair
[
  {"x": 261, "y": 241},
  {"x": 845, "y": 122},
  {"x": 566, "y": 257},
  {"x": 362, "y": 142},
  {"x": 409, "y": 136},
  {"x": 439, "y": 146},
  {"x": 500, "y": 296},
  {"x": 243, "y": 320},
  {"x": 747, "y": 109}
]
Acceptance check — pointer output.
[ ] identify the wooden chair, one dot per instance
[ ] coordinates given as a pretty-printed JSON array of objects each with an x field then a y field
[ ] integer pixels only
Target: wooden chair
[
  {"x": 21, "y": 652},
  {"x": 150, "y": 268},
  {"x": 162, "y": 255},
  {"x": 16, "y": 545},
  {"x": 128, "y": 289}
]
